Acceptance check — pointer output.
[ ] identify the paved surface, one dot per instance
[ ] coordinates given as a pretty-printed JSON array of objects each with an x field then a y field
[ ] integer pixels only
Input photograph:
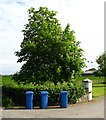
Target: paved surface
[{"x": 94, "y": 109}]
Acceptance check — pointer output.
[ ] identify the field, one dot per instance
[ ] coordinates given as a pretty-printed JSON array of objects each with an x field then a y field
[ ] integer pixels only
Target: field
[
  {"x": 5, "y": 79},
  {"x": 98, "y": 86},
  {"x": 95, "y": 80},
  {"x": 0, "y": 80},
  {"x": 79, "y": 79}
]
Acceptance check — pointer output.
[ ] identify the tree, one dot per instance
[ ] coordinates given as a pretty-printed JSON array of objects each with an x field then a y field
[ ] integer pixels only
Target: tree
[
  {"x": 101, "y": 60},
  {"x": 49, "y": 52}
]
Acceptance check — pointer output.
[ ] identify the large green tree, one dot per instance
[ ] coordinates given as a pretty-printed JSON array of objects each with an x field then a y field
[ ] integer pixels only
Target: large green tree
[
  {"x": 101, "y": 60},
  {"x": 48, "y": 52}
]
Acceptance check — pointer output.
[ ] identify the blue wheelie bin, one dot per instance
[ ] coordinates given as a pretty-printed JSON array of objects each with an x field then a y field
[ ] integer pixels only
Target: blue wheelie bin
[
  {"x": 44, "y": 99},
  {"x": 29, "y": 99},
  {"x": 64, "y": 99}
]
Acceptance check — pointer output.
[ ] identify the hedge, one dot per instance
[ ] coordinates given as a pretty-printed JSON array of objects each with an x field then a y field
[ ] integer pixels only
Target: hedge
[{"x": 16, "y": 93}]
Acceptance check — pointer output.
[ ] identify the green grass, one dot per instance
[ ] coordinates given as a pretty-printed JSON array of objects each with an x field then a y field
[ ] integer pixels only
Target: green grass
[
  {"x": 78, "y": 79},
  {"x": 95, "y": 80},
  {"x": 6, "y": 79},
  {"x": 0, "y": 80},
  {"x": 98, "y": 90},
  {"x": 92, "y": 77}
]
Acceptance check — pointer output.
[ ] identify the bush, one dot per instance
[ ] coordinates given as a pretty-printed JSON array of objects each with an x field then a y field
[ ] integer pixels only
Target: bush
[
  {"x": 7, "y": 102},
  {"x": 16, "y": 93}
]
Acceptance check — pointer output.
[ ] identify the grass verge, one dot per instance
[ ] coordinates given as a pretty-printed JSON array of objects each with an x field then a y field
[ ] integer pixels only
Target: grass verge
[{"x": 98, "y": 90}]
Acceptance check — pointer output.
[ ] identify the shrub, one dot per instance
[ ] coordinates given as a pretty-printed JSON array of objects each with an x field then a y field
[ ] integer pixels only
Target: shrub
[
  {"x": 16, "y": 93},
  {"x": 7, "y": 102}
]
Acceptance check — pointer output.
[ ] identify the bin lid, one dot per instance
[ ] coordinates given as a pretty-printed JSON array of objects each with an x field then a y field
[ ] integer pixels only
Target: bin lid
[
  {"x": 87, "y": 80},
  {"x": 28, "y": 92},
  {"x": 64, "y": 92},
  {"x": 44, "y": 92}
]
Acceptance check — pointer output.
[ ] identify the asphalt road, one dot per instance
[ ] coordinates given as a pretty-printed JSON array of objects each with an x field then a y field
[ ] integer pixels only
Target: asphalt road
[{"x": 94, "y": 109}]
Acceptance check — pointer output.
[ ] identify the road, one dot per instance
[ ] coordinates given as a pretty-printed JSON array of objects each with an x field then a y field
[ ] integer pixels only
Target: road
[{"x": 94, "y": 109}]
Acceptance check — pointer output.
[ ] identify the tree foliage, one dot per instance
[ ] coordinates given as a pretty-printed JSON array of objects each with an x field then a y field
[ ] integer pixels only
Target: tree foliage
[
  {"x": 49, "y": 52},
  {"x": 101, "y": 60}
]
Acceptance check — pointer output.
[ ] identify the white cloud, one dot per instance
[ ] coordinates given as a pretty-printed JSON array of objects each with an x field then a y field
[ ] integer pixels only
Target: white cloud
[{"x": 7, "y": 69}]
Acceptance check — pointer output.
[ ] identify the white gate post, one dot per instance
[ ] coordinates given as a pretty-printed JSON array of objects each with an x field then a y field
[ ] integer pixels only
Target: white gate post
[{"x": 87, "y": 84}]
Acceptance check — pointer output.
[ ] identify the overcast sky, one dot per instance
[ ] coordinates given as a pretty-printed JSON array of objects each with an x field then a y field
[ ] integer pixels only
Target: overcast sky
[{"x": 86, "y": 18}]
